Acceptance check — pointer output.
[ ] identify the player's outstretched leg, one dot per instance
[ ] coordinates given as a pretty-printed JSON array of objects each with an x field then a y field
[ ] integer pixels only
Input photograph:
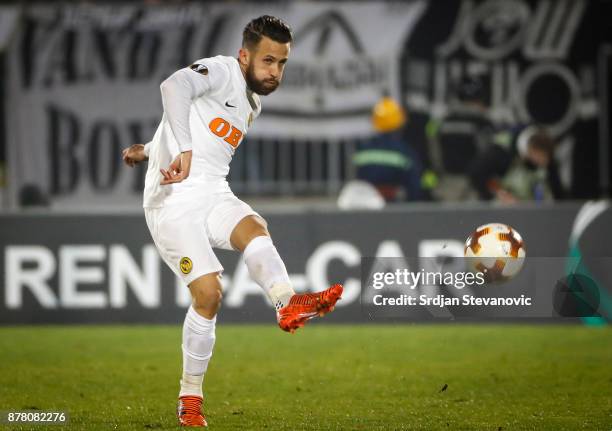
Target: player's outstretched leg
[
  {"x": 268, "y": 270},
  {"x": 198, "y": 343}
]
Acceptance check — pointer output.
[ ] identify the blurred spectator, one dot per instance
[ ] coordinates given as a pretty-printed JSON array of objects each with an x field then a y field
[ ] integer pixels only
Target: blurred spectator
[
  {"x": 458, "y": 137},
  {"x": 466, "y": 128},
  {"x": 31, "y": 195},
  {"x": 387, "y": 161},
  {"x": 521, "y": 168}
]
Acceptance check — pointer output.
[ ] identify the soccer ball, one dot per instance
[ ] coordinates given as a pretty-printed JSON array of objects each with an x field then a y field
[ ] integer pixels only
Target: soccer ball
[{"x": 496, "y": 250}]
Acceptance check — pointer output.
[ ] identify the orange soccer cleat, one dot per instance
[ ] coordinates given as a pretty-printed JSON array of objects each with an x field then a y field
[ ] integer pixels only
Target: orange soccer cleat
[
  {"x": 305, "y": 306},
  {"x": 189, "y": 411}
]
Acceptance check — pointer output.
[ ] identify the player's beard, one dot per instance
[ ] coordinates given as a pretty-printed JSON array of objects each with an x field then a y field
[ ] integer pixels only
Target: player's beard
[{"x": 262, "y": 87}]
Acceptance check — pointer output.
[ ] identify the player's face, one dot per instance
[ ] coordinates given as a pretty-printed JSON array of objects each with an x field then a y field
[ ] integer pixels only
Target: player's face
[{"x": 265, "y": 65}]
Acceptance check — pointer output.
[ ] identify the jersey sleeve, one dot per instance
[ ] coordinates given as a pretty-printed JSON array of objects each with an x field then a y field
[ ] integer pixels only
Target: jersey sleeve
[
  {"x": 147, "y": 149},
  {"x": 182, "y": 87}
]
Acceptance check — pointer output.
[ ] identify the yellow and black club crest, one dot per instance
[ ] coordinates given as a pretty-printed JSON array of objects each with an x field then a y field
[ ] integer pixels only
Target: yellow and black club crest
[{"x": 186, "y": 265}]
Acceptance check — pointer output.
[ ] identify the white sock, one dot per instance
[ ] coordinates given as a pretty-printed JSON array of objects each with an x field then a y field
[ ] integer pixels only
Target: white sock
[
  {"x": 198, "y": 343},
  {"x": 268, "y": 270}
]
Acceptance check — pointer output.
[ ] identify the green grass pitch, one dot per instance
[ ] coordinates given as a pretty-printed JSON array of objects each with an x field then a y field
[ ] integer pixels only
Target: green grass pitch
[{"x": 325, "y": 377}]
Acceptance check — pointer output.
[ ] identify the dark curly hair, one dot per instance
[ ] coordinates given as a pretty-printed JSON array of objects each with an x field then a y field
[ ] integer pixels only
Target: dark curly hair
[{"x": 268, "y": 26}]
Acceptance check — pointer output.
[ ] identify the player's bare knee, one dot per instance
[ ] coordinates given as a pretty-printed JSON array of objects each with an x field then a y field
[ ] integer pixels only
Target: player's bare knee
[{"x": 207, "y": 294}]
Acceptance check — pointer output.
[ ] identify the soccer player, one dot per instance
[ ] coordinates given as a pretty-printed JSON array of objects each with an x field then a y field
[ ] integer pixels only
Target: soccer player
[{"x": 189, "y": 207}]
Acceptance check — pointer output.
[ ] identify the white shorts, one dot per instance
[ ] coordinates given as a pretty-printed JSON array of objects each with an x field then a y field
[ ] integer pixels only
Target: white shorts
[{"x": 185, "y": 234}]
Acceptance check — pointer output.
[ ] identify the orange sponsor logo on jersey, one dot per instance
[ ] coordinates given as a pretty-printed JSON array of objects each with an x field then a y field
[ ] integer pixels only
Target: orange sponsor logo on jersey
[{"x": 224, "y": 129}]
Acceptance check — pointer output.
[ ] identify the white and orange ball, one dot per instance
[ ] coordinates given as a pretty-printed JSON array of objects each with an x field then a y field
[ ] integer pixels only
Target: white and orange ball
[{"x": 495, "y": 249}]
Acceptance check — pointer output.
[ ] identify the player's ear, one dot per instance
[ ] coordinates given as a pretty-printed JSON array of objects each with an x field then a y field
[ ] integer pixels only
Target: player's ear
[{"x": 244, "y": 56}]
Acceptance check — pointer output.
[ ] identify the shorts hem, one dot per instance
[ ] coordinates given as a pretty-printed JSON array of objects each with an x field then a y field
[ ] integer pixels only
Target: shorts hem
[{"x": 189, "y": 278}]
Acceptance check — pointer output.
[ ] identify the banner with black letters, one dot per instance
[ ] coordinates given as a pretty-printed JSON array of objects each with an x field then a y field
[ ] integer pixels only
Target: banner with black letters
[
  {"x": 83, "y": 79},
  {"x": 85, "y": 82}
]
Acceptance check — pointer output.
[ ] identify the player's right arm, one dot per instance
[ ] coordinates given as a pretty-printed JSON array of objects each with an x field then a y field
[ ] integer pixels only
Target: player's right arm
[
  {"x": 178, "y": 92},
  {"x": 135, "y": 154}
]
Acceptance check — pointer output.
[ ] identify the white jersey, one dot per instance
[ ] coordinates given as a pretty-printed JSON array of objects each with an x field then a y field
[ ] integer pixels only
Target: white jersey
[{"x": 207, "y": 109}]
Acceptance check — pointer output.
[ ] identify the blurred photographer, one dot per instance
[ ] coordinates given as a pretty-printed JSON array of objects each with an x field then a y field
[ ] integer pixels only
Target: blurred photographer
[{"x": 518, "y": 168}]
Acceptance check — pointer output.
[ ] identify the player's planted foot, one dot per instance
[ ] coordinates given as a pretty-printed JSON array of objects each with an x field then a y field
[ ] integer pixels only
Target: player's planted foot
[
  {"x": 189, "y": 411},
  {"x": 305, "y": 306}
]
